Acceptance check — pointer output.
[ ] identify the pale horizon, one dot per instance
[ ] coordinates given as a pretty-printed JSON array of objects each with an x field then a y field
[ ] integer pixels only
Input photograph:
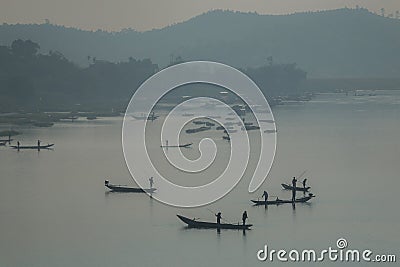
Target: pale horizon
[{"x": 153, "y": 14}]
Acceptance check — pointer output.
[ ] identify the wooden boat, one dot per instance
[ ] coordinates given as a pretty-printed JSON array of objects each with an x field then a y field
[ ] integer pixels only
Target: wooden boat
[
  {"x": 151, "y": 117},
  {"x": 185, "y": 145},
  {"x": 210, "y": 225},
  {"x": 280, "y": 201},
  {"x": 92, "y": 117},
  {"x": 43, "y": 124},
  {"x": 199, "y": 122},
  {"x": 70, "y": 118},
  {"x": 269, "y": 121},
  {"x": 196, "y": 130},
  {"x": 251, "y": 127},
  {"x": 226, "y": 137},
  {"x": 33, "y": 147},
  {"x": 289, "y": 187},
  {"x": 2, "y": 143},
  {"x": 121, "y": 188}
]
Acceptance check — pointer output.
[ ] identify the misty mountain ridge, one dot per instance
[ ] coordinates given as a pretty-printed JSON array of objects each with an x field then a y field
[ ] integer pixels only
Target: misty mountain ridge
[{"x": 335, "y": 43}]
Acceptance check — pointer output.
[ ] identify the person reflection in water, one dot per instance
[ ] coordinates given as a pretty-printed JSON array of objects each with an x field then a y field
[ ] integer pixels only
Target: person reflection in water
[{"x": 294, "y": 181}]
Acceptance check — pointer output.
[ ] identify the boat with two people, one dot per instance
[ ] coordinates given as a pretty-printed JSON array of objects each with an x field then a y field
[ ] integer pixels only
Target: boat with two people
[
  {"x": 193, "y": 223},
  {"x": 38, "y": 146}
]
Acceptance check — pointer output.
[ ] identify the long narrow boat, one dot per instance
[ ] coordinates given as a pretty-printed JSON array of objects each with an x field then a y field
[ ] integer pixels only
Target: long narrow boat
[
  {"x": 121, "y": 188},
  {"x": 185, "y": 145},
  {"x": 210, "y": 225},
  {"x": 33, "y": 147},
  {"x": 279, "y": 201},
  {"x": 196, "y": 130},
  {"x": 289, "y": 187},
  {"x": 151, "y": 117}
]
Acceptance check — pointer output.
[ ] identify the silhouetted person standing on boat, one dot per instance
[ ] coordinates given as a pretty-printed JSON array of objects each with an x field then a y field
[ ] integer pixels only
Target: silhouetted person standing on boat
[
  {"x": 219, "y": 216},
  {"x": 265, "y": 195},
  {"x": 304, "y": 183},
  {"x": 294, "y": 181},
  {"x": 151, "y": 180},
  {"x": 18, "y": 144},
  {"x": 244, "y": 217}
]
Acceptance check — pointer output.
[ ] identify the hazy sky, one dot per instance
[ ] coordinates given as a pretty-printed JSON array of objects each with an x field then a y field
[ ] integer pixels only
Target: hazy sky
[{"x": 148, "y": 14}]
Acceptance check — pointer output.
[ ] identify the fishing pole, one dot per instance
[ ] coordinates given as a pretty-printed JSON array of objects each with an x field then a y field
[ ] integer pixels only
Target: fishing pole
[
  {"x": 221, "y": 216},
  {"x": 301, "y": 175}
]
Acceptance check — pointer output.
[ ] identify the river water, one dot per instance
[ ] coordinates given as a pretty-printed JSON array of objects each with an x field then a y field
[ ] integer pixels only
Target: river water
[{"x": 55, "y": 211}]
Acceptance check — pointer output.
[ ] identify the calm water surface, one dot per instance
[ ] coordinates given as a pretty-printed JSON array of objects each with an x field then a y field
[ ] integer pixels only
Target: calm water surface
[{"x": 55, "y": 211}]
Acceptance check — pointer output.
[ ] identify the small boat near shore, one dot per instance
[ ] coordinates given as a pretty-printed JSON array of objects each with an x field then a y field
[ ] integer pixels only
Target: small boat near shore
[
  {"x": 150, "y": 117},
  {"x": 123, "y": 188},
  {"x": 289, "y": 187},
  {"x": 280, "y": 201},
  {"x": 43, "y": 124},
  {"x": 251, "y": 127},
  {"x": 184, "y": 145},
  {"x": 48, "y": 146},
  {"x": 226, "y": 137},
  {"x": 196, "y": 130},
  {"x": 91, "y": 118},
  {"x": 191, "y": 223}
]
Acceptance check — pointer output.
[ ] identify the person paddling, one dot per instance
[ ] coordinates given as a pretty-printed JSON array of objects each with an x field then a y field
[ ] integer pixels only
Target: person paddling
[
  {"x": 294, "y": 181},
  {"x": 219, "y": 216},
  {"x": 265, "y": 195},
  {"x": 18, "y": 144},
  {"x": 244, "y": 217}
]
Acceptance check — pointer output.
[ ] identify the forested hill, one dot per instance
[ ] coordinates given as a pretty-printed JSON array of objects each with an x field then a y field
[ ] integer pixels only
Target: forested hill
[
  {"x": 34, "y": 82},
  {"x": 338, "y": 43}
]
